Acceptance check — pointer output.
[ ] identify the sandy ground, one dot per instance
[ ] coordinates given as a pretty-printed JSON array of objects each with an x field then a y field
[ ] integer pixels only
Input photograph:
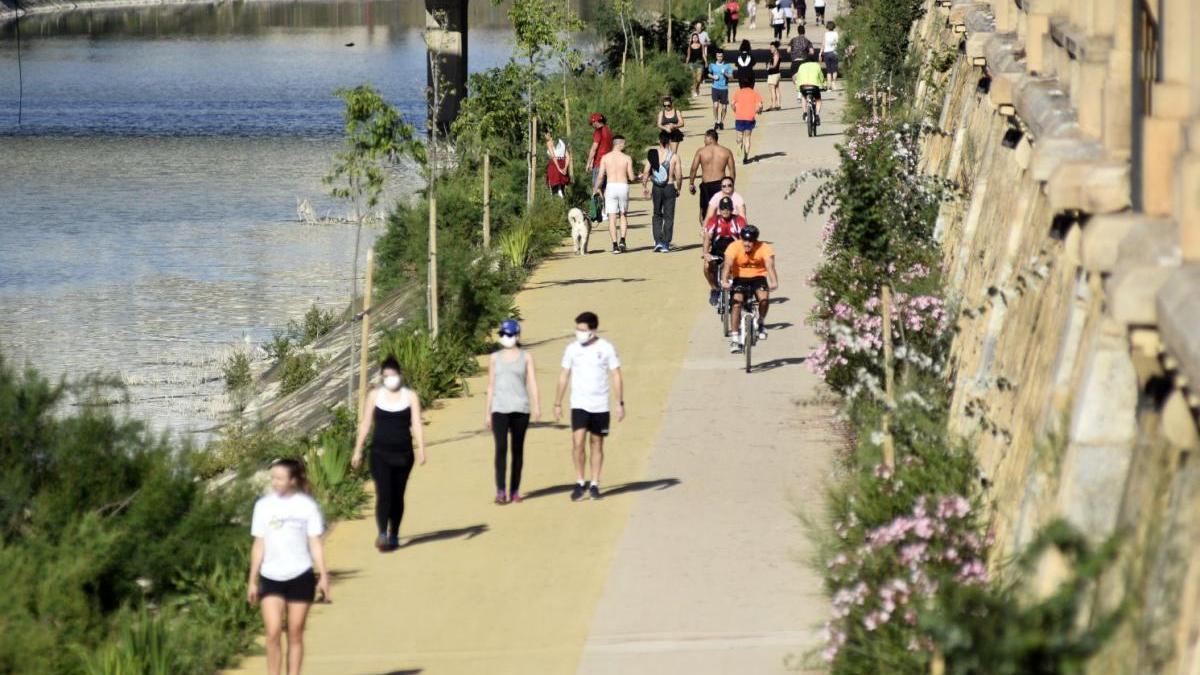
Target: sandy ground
[{"x": 694, "y": 562}]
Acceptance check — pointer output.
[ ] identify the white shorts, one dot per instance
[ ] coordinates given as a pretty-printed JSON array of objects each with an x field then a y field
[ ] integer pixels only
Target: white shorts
[
  {"x": 616, "y": 198},
  {"x": 789, "y": 13}
]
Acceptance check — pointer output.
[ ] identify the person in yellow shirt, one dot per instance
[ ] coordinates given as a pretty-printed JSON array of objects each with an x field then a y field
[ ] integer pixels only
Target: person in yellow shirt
[
  {"x": 749, "y": 268},
  {"x": 810, "y": 79}
]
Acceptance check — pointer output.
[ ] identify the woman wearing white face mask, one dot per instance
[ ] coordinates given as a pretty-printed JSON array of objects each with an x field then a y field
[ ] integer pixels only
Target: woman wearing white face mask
[
  {"x": 512, "y": 394},
  {"x": 395, "y": 412}
]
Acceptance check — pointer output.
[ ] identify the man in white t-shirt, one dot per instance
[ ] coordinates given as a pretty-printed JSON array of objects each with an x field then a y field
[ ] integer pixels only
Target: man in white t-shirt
[{"x": 587, "y": 362}]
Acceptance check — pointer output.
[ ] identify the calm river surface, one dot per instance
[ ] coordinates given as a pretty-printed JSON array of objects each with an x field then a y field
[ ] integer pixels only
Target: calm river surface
[{"x": 148, "y": 199}]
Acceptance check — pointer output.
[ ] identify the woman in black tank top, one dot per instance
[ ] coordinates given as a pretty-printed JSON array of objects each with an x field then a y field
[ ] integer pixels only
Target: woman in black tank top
[
  {"x": 670, "y": 121},
  {"x": 395, "y": 414}
]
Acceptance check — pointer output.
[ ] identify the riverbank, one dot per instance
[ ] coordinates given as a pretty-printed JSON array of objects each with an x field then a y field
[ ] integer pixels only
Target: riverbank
[{"x": 12, "y": 9}]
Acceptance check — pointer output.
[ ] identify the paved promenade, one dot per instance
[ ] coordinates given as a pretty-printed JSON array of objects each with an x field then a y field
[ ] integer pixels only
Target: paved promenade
[{"x": 695, "y": 560}]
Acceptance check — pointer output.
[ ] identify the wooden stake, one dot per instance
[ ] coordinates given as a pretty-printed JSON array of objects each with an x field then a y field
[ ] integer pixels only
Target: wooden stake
[
  {"x": 937, "y": 665},
  {"x": 366, "y": 334},
  {"x": 487, "y": 200},
  {"x": 889, "y": 450},
  {"x": 670, "y": 23},
  {"x": 641, "y": 52}
]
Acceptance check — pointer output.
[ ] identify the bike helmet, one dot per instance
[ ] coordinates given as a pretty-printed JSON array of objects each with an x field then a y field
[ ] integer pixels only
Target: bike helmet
[
  {"x": 510, "y": 327},
  {"x": 726, "y": 204},
  {"x": 750, "y": 233}
]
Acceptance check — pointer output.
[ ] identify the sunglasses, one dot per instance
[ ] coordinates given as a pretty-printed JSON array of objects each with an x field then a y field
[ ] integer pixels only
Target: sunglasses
[
  {"x": 726, "y": 185},
  {"x": 506, "y": 334}
]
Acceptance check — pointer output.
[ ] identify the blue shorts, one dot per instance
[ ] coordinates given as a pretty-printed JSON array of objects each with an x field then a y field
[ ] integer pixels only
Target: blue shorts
[{"x": 743, "y": 125}]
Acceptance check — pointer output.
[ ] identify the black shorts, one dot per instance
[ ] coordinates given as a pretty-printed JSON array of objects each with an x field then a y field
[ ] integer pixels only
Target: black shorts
[
  {"x": 747, "y": 285},
  {"x": 707, "y": 190},
  {"x": 831, "y": 62},
  {"x": 594, "y": 423},
  {"x": 297, "y": 589},
  {"x": 808, "y": 89},
  {"x": 676, "y": 135},
  {"x": 720, "y": 96}
]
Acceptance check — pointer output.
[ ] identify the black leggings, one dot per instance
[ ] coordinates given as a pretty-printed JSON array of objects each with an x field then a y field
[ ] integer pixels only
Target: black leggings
[
  {"x": 778, "y": 28},
  {"x": 502, "y": 425},
  {"x": 390, "y": 472}
]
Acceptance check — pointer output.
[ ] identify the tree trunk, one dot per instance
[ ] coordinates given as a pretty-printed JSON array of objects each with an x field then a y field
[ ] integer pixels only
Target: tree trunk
[
  {"x": 529, "y": 146},
  {"x": 487, "y": 200},
  {"x": 364, "y": 345},
  {"x": 358, "y": 218},
  {"x": 624, "y": 49},
  {"x": 889, "y": 393},
  {"x": 670, "y": 25}
]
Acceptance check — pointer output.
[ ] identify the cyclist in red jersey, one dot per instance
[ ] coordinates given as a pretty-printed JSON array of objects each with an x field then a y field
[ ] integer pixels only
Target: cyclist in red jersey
[{"x": 722, "y": 229}]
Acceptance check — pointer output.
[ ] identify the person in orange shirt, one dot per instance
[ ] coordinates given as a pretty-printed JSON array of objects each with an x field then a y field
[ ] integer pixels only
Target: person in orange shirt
[
  {"x": 749, "y": 268},
  {"x": 746, "y": 106}
]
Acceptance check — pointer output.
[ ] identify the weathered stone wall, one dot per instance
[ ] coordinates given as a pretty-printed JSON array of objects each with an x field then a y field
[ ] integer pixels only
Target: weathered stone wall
[{"x": 1078, "y": 351}]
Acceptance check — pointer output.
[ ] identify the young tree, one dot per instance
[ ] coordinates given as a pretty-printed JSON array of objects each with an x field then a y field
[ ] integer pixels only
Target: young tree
[{"x": 376, "y": 137}]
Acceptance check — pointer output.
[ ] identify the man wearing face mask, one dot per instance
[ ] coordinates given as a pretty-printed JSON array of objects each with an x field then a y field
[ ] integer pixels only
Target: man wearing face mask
[{"x": 587, "y": 363}]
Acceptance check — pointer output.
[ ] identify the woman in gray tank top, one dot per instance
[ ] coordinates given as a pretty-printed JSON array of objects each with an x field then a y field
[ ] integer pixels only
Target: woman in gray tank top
[{"x": 512, "y": 395}]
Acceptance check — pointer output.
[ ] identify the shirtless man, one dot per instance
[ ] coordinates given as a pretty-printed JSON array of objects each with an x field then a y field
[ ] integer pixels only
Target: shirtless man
[
  {"x": 715, "y": 162},
  {"x": 617, "y": 168}
]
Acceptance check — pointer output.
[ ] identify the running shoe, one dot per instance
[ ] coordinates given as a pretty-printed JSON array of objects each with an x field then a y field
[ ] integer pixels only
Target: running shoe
[
  {"x": 745, "y": 159},
  {"x": 762, "y": 333},
  {"x": 577, "y": 492},
  {"x": 393, "y": 542},
  {"x": 735, "y": 345},
  {"x": 381, "y": 543},
  {"x": 501, "y": 498},
  {"x": 614, "y": 249},
  {"x": 594, "y": 491},
  {"x": 714, "y": 296},
  {"x": 515, "y": 498},
  {"x": 658, "y": 248},
  {"x": 622, "y": 244}
]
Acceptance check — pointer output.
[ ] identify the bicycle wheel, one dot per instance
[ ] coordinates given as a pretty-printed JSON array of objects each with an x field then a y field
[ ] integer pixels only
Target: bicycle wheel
[
  {"x": 812, "y": 119},
  {"x": 725, "y": 313},
  {"x": 748, "y": 335}
]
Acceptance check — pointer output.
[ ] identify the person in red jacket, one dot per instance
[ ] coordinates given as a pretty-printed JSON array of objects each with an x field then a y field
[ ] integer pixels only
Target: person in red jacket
[{"x": 732, "y": 15}]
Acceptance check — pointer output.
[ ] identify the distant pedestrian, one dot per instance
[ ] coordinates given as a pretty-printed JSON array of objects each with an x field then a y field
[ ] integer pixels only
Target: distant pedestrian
[
  {"x": 394, "y": 411},
  {"x": 732, "y": 16},
  {"x": 819, "y": 10},
  {"x": 829, "y": 55},
  {"x": 777, "y": 21},
  {"x": 720, "y": 73},
  {"x": 752, "y": 13},
  {"x": 670, "y": 120},
  {"x": 662, "y": 179},
  {"x": 512, "y": 396},
  {"x": 602, "y": 144},
  {"x": 789, "y": 15},
  {"x": 699, "y": 28},
  {"x": 799, "y": 48},
  {"x": 744, "y": 62},
  {"x": 801, "y": 11},
  {"x": 612, "y": 180},
  {"x": 558, "y": 166},
  {"x": 287, "y": 528},
  {"x": 773, "y": 74},
  {"x": 697, "y": 60},
  {"x": 747, "y": 103},
  {"x": 715, "y": 164},
  {"x": 587, "y": 363}
]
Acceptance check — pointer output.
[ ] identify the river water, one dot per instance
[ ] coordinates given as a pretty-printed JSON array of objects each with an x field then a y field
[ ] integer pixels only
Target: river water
[{"x": 148, "y": 197}]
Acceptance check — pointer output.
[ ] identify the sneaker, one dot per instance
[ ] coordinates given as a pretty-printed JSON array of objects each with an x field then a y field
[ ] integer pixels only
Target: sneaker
[
  {"x": 762, "y": 333},
  {"x": 577, "y": 492},
  {"x": 393, "y": 542},
  {"x": 381, "y": 543},
  {"x": 818, "y": 120},
  {"x": 622, "y": 244},
  {"x": 734, "y": 346},
  {"x": 594, "y": 491},
  {"x": 614, "y": 248},
  {"x": 714, "y": 296},
  {"x": 658, "y": 248},
  {"x": 745, "y": 159},
  {"x": 515, "y": 498},
  {"x": 501, "y": 497}
]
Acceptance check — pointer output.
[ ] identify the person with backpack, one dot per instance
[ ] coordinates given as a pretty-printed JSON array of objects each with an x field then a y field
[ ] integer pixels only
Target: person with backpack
[
  {"x": 662, "y": 180},
  {"x": 732, "y": 14}
]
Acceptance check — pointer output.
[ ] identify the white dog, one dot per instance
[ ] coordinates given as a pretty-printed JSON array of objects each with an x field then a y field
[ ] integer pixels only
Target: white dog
[{"x": 581, "y": 229}]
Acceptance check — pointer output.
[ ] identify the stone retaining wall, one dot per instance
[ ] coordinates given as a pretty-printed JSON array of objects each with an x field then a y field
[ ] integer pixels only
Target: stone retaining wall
[{"x": 1079, "y": 347}]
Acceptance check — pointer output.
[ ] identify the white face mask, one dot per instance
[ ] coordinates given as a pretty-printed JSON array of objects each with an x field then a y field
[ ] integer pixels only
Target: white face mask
[
  {"x": 583, "y": 335},
  {"x": 508, "y": 341},
  {"x": 391, "y": 382}
]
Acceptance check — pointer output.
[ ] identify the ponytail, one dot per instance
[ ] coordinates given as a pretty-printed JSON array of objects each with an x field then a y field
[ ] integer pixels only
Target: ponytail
[{"x": 296, "y": 471}]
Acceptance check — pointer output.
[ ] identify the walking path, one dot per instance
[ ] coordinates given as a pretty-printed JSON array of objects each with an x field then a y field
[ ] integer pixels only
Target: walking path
[{"x": 695, "y": 561}]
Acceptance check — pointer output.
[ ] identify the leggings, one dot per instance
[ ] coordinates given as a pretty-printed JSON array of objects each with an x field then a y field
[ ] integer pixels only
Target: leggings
[
  {"x": 502, "y": 424},
  {"x": 390, "y": 472},
  {"x": 778, "y": 28}
]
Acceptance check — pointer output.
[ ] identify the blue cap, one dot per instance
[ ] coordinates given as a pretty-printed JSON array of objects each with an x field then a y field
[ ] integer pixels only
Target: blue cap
[{"x": 510, "y": 326}]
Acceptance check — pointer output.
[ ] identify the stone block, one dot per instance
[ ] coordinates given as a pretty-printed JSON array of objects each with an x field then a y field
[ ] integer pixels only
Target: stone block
[
  {"x": 1001, "y": 91},
  {"x": 1146, "y": 257},
  {"x": 1050, "y": 153},
  {"x": 1102, "y": 239},
  {"x": 1178, "y": 305},
  {"x": 1100, "y": 445},
  {"x": 1162, "y": 139},
  {"x": 1090, "y": 187},
  {"x": 1187, "y": 203}
]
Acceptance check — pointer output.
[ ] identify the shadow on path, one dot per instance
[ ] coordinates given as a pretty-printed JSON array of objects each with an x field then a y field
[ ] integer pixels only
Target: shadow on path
[
  {"x": 576, "y": 282},
  {"x": 634, "y": 486},
  {"x": 779, "y": 326},
  {"x": 407, "y": 671},
  {"x": 777, "y": 363},
  {"x": 779, "y": 301},
  {"x": 469, "y": 532},
  {"x": 768, "y": 155}
]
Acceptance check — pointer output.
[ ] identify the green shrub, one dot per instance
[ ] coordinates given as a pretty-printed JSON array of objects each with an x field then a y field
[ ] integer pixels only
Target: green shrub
[
  {"x": 317, "y": 324},
  {"x": 296, "y": 370},
  {"x": 279, "y": 346},
  {"x": 432, "y": 368},
  {"x": 236, "y": 371},
  {"x": 334, "y": 484},
  {"x": 515, "y": 244}
]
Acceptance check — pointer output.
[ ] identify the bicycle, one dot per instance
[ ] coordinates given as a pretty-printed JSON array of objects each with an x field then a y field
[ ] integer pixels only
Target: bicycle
[
  {"x": 723, "y": 299},
  {"x": 749, "y": 325},
  {"x": 810, "y": 108}
]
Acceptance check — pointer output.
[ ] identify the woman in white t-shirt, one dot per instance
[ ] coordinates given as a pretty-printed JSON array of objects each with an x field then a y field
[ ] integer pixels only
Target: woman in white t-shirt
[
  {"x": 829, "y": 55},
  {"x": 778, "y": 20},
  {"x": 287, "y": 528}
]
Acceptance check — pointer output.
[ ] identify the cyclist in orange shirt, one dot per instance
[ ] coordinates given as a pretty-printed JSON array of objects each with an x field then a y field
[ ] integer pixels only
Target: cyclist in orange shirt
[{"x": 749, "y": 268}]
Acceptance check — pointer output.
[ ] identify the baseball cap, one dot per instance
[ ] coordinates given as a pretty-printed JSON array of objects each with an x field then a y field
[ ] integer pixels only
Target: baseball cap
[
  {"x": 510, "y": 326},
  {"x": 725, "y": 204}
]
